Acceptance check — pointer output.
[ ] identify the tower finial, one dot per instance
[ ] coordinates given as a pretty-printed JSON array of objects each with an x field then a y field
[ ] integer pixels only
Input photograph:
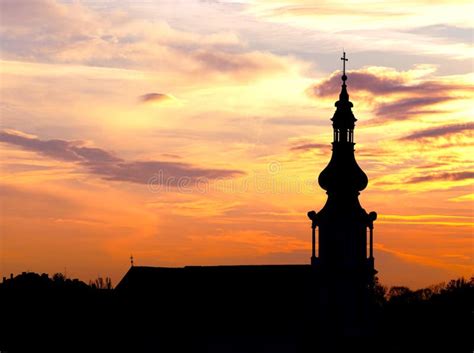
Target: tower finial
[
  {"x": 344, "y": 59},
  {"x": 131, "y": 260}
]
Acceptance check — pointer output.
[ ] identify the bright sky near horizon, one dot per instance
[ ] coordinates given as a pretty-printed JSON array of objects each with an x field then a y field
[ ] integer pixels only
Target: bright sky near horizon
[{"x": 192, "y": 132}]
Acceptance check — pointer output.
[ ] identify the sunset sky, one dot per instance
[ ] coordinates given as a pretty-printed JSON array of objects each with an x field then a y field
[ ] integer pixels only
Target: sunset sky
[{"x": 192, "y": 132}]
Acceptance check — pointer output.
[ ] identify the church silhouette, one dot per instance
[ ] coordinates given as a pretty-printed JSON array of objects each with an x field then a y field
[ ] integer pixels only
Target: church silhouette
[
  {"x": 331, "y": 298},
  {"x": 331, "y": 304}
]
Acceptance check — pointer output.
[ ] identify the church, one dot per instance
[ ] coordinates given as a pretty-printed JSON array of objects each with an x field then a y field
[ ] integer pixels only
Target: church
[{"x": 331, "y": 296}]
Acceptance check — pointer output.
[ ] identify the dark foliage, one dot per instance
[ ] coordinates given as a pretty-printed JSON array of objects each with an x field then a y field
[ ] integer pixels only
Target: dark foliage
[{"x": 42, "y": 314}]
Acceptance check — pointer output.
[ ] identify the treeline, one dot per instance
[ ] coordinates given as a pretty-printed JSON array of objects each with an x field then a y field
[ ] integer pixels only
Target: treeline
[
  {"x": 42, "y": 313},
  {"x": 460, "y": 287},
  {"x": 395, "y": 295},
  {"x": 59, "y": 281},
  {"x": 54, "y": 314},
  {"x": 438, "y": 318}
]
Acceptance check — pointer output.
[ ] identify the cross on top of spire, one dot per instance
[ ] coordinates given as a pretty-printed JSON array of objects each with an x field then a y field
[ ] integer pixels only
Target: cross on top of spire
[{"x": 344, "y": 59}]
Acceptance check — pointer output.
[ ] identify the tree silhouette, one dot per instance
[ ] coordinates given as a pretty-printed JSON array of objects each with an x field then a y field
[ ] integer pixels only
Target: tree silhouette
[{"x": 101, "y": 283}]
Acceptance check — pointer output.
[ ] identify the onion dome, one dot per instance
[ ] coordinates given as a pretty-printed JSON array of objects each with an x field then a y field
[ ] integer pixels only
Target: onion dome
[{"x": 343, "y": 174}]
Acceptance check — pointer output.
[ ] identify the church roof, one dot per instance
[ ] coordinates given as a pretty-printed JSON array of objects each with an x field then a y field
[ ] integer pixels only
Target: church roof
[{"x": 151, "y": 278}]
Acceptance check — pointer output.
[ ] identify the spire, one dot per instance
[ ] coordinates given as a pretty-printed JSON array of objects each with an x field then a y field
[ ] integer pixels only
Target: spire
[
  {"x": 342, "y": 172},
  {"x": 343, "y": 117},
  {"x": 344, "y": 96}
]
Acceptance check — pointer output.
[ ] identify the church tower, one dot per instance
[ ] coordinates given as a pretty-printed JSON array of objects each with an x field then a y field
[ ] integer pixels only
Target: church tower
[{"x": 345, "y": 230}]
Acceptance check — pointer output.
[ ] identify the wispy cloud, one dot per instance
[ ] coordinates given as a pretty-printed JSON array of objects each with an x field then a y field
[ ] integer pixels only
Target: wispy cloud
[
  {"x": 307, "y": 10},
  {"x": 71, "y": 151},
  {"x": 57, "y": 32},
  {"x": 439, "y": 131},
  {"x": 393, "y": 29},
  {"x": 453, "y": 176},
  {"x": 106, "y": 165},
  {"x": 409, "y": 107},
  {"x": 295, "y": 121},
  {"x": 308, "y": 147},
  {"x": 463, "y": 198},
  {"x": 462, "y": 34}
]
